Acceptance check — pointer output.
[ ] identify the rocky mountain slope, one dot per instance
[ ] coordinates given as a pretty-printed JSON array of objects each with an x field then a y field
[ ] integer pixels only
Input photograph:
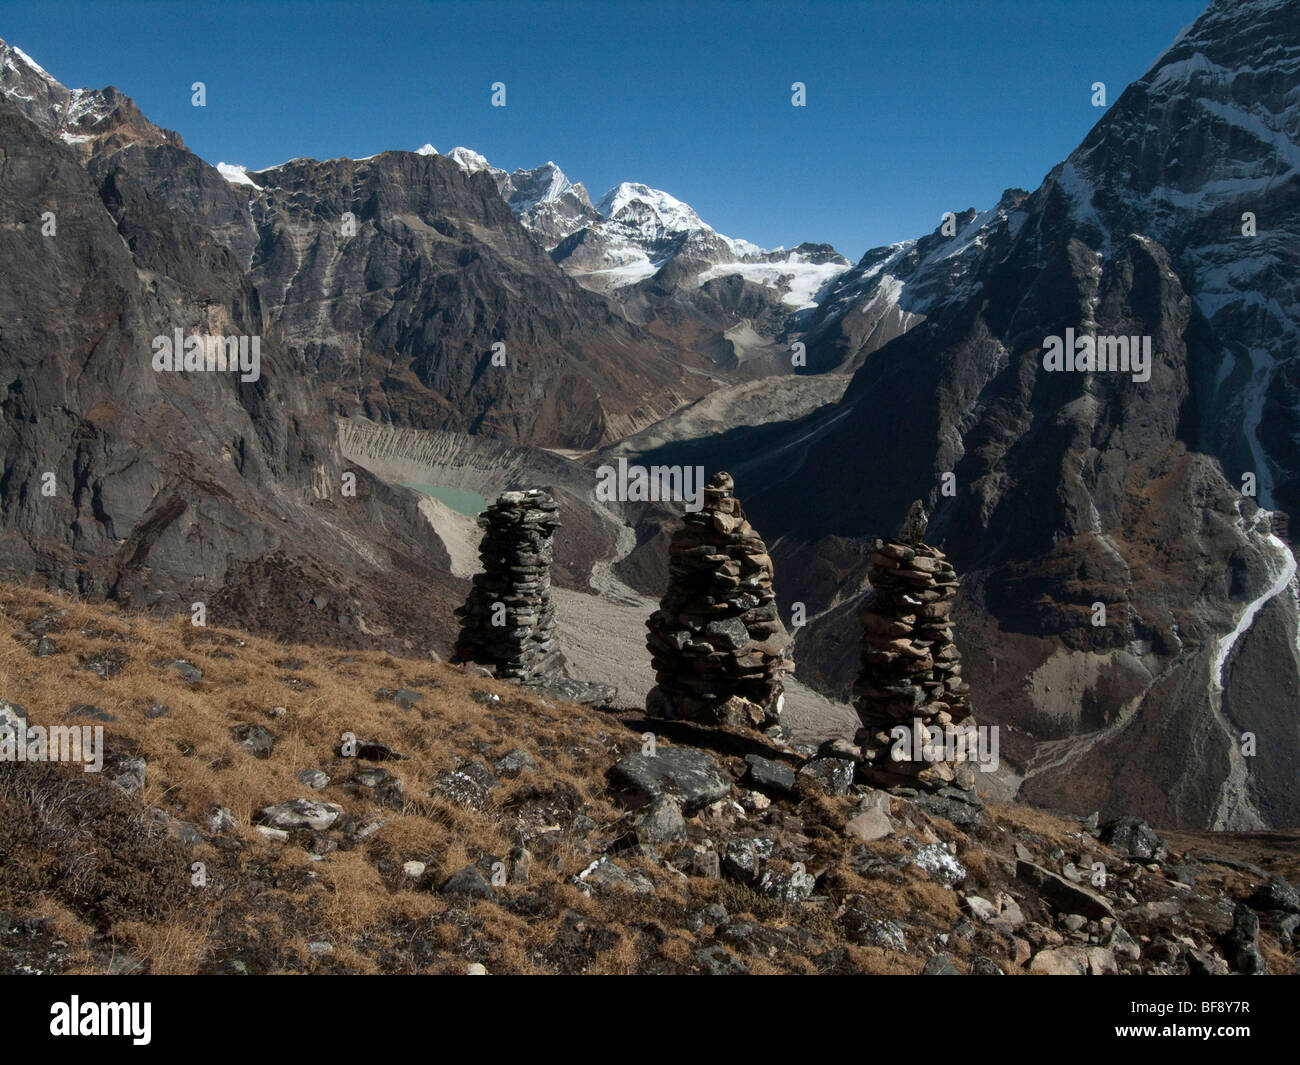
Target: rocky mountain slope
[
  {"x": 633, "y": 232},
  {"x": 668, "y": 269},
  {"x": 437, "y": 274},
  {"x": 172, "y": 488},
  {"x": 164, "y": 489},
  {"x": 382, "y": 289},
  {"x": 1056, "y": 491},
  {"x": 474, "y": 827}
]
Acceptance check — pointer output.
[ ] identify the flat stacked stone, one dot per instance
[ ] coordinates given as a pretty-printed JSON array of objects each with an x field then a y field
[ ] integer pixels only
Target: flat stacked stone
[
  {"x": 911, "y": 668},
  {"x": 716, "y": 642},
  {"x": 513, "y": 590}
]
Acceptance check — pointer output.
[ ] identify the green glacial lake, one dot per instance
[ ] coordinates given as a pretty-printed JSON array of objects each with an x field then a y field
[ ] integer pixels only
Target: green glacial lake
[{"x": 459, "y": 499}]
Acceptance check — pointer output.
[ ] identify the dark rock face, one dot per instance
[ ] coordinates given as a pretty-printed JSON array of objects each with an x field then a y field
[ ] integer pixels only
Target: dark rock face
[
  {"x": 162, "y": 489},
  {"x": 168, "y": 488},
  {"x": 431, "y": 271},
  {"x": 1219, "y": 105},
  {"x": 1073, "y": 490},
  {"x": 716, "y": 642},
  {"x": 508, "y": 622}
]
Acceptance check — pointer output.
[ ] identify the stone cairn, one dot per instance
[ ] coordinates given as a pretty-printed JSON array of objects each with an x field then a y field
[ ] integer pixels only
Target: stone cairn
[
  {"x": 716, "y": 642},
  {"x": 508, "y": 621},
  {"x": 911, "y": 669}
]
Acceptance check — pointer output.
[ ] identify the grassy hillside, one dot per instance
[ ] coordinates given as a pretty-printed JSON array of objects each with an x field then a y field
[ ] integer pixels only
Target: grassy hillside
[{"x": 97, "y": 873}]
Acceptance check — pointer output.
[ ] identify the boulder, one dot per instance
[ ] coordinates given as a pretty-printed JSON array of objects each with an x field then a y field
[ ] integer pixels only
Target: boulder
[
  {"x": 768, "y": 775},
  {"x": 662, "y": 823},
  {"x": 1062, "y": 895},
  {"x": 1133, "y": 837},
  {"x": 1241, "y": 943},
  {"x": 834, "y": 776},
  {"x": 301, "y": 813},
  {"x": 1277, "y": 895},
  {"x": 257, "y": 740},
  {"x": 605, "y": 875},
  {"x": 870, "y": 825},
  {"x": 512, "y": 763},
  {"x": 689, "y": 777},
  {"x": 466, "y": 883},
  {"x": 313, "y": 778}
]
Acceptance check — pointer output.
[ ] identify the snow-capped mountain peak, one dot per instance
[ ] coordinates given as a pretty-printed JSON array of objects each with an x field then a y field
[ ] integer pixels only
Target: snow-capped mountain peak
[
  {"x": 86, "y": 119},
  {"x": 541, "y": 184},
  {"x": 654, "y": 212},
  {"x": 469, "y": 160},
  {"x": 545, "y": 201},
  {"x": 635, "y": 230}
]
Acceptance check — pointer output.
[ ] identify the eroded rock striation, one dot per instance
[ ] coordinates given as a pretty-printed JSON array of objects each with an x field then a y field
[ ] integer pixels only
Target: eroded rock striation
[
  {"x": 911, "y": 669},
  {"x": 716, "y": 642},
  {"x": 508, "y": 621}
]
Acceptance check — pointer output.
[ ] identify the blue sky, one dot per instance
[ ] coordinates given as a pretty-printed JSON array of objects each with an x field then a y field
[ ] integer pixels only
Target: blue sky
[{"x": 913, "y": 108}]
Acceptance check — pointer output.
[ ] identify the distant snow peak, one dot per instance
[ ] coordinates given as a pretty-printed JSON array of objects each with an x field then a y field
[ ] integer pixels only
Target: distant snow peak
[
  {"x": 635, "y": 230},
  {"x": 469, "y": 160},
  {"x": 543, "y": 199},
  {"x": 651, "y": 210},
  {"x": 558, "y": 183},
  {"x": 541, "y": 184},
  {"x": 426, "y": 149}
]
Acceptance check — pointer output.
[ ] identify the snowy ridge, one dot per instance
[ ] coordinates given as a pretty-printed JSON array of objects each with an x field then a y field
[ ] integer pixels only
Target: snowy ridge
[
  {"x": 655, "y": 215},
  {"x": 635, "y": 230},
  {"x": 30, "y": 87},
  {"x": 910, "y": 278},
  {"x": 469, "y": 160},
  {"x": 31, "y": 63},
  {"x": 237, "y": 175},
  {"x": 807, "y": 282}
]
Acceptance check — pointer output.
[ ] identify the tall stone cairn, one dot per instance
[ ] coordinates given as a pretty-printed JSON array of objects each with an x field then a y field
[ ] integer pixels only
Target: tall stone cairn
[
  {"x": 716, "y": 642},
  {"x": 911, "y": 668},
  {"x": 513, "y": 590}
]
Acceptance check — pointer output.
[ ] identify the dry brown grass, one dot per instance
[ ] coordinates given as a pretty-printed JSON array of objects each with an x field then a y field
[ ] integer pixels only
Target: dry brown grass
[
  {"x": 194, "y": 766},
  {"x": 110, "y": 885},
  {"x": 1038, "y": 822}
]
